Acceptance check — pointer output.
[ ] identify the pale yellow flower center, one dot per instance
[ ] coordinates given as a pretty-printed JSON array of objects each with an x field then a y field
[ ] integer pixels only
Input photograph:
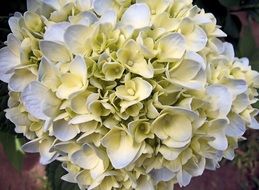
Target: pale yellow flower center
[{"x": 131, "y": 91}]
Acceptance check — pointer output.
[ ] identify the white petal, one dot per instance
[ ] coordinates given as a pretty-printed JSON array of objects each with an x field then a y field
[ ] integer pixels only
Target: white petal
[
  {"x": 53, "y": 3},
  {"x": 196, "y": 40},
  {"x": 85, "y": 158},
  {"x": 171, "y": 47},
  {"x": 176, "y": 144},
  {"x": 84, "y": 18},
  {"x": 78, "y": 103},
  {"x": 84, "y": 5},
  {"x": 63, "y": 131},
  {"x": 170, "y": 153},
  {"x": 236, "y": 127},
  {"x": 55, "y": 32},
  {"x": 121, "y": 148},
  {"x": 102, "y": 6},
  {"x": 189, "y": 67},
  {"x": 17, "y": 117},
  {"x": 240, "y": 103},
  {"x": 162, "y": 174},
  {"x": 195, "y": 166},
  {"x": 183, "y": 178},
  {"x": 8, "y": 61},
  {"x": 21, "y": 79},
  {"x": 217, "y": 130},
  {"x": 137, "y": 15},
  {"x": 15, "y": 27},
  {"x": 83, "y": 119},
  {"x": 39, "y": 101},
  {"x": 46, "y": 156},
  {"x": 229, "y": 50},
  {"x": 109, "y": 17},
  {"x": 48, "y": 74},
  {"x": 235, "y": 86},
  {"x": 143, "y": 68},
  {"x": 144, "y": 182},
  {"x": 196, "y": 85},
  {"x": 143, "y": 88},
  {"x": 221, "y": 99},
  {"x": 32, "y": 146},
  {"x": 78, "y": 67},
  {"x": 69, "y": 177},
  {"x": 75, "y": 38},
  {"x": 14, "y": 44},
  {"x": 55, "y": 52},
  {"x": 40, "y": 7},
  {"x": 254, "y": 124}
]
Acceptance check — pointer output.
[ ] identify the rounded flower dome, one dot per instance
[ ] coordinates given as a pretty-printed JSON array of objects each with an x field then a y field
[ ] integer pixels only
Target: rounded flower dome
[{"x": 126, "y": 94}]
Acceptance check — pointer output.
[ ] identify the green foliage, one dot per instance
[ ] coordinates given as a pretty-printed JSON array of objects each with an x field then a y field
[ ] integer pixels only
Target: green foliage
[
  {"x": 11, "y": 143},
  {"x": 232, "y": 26},
  {"x": 54, "y": 173},
  {"x": 5, "y": 125},
  {"x": 247, "y": 45},
  {"x": 247, "y": 160},
  {"x": 12, "y": 148},
  {"x": 229, "y": 3}
]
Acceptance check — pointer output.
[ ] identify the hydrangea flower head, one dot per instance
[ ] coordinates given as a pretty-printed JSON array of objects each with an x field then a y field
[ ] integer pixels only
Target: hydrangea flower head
[{"x": 126, "y": 94}]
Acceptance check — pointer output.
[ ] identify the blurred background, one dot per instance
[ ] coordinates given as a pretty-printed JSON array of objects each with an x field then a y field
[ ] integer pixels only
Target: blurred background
[{"x": 20, "y": 171}]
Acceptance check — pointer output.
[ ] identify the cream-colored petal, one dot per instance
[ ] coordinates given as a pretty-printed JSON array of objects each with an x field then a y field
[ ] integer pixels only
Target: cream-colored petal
[
  {"x": 84, "y": 118},
  {"x": 137, "y": 15},
  {"x": 14, "y": 25},
  {"x": 196, "y": 40},
  {"x": 39, "y": 101},
  {"x": 8, "y": 60},
  {"x": 13, "y": 44},
  {"x": 21, "y": 79},
  {"x": 54, "y": 51},
  {"x": 31, "y": 146},
  {"x": 170, "y": 153},
  {"x": 120, "y": 148},
  {"x": 142, "y": 68},
  {"x": 171, "y": 47},
  {"x": 86, "y": 158},
  {"x": 221, "y": 101},
  {"x": 17, "y": 117},
  {"x": 143, "y": 88},
  {"x": 217, "y": 130},
  {"x": 236, "y": 126},
  {"x": 183, "y": 178},
  {"x": 78, "y": 67},
  {"x": 86, "y": 18},
  {"x": 48, "y": 74},
  {"x": 55, "y": 32},
  {"x": 162, "y": 174},
  {"x": 102, "y": 6},
  {"x": 53, "y": 3},
  {"x": 63, "y": 131},
  {"x": 76, "y": 38},
  {"x": 109, "y": 17},
  {"x": 84, "y": 5}
]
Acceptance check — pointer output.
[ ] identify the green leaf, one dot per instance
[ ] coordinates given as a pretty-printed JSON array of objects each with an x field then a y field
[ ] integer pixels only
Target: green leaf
[
  {"x": 5, "y": 125},
  {"x": 247, "y": 43},
  {"x": 254, "y": 59},
  {"x": 229, "y": 3},
  {"x": 254, "y": 14},
  {"x": 12, "y": 148},
  {"x": 54, "y": 173},
  {"x": 232, "y": 26}
]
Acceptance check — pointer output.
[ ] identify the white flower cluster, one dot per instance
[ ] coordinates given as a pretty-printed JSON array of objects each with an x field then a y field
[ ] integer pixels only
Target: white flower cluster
[{"x": 126, "y": 94}]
